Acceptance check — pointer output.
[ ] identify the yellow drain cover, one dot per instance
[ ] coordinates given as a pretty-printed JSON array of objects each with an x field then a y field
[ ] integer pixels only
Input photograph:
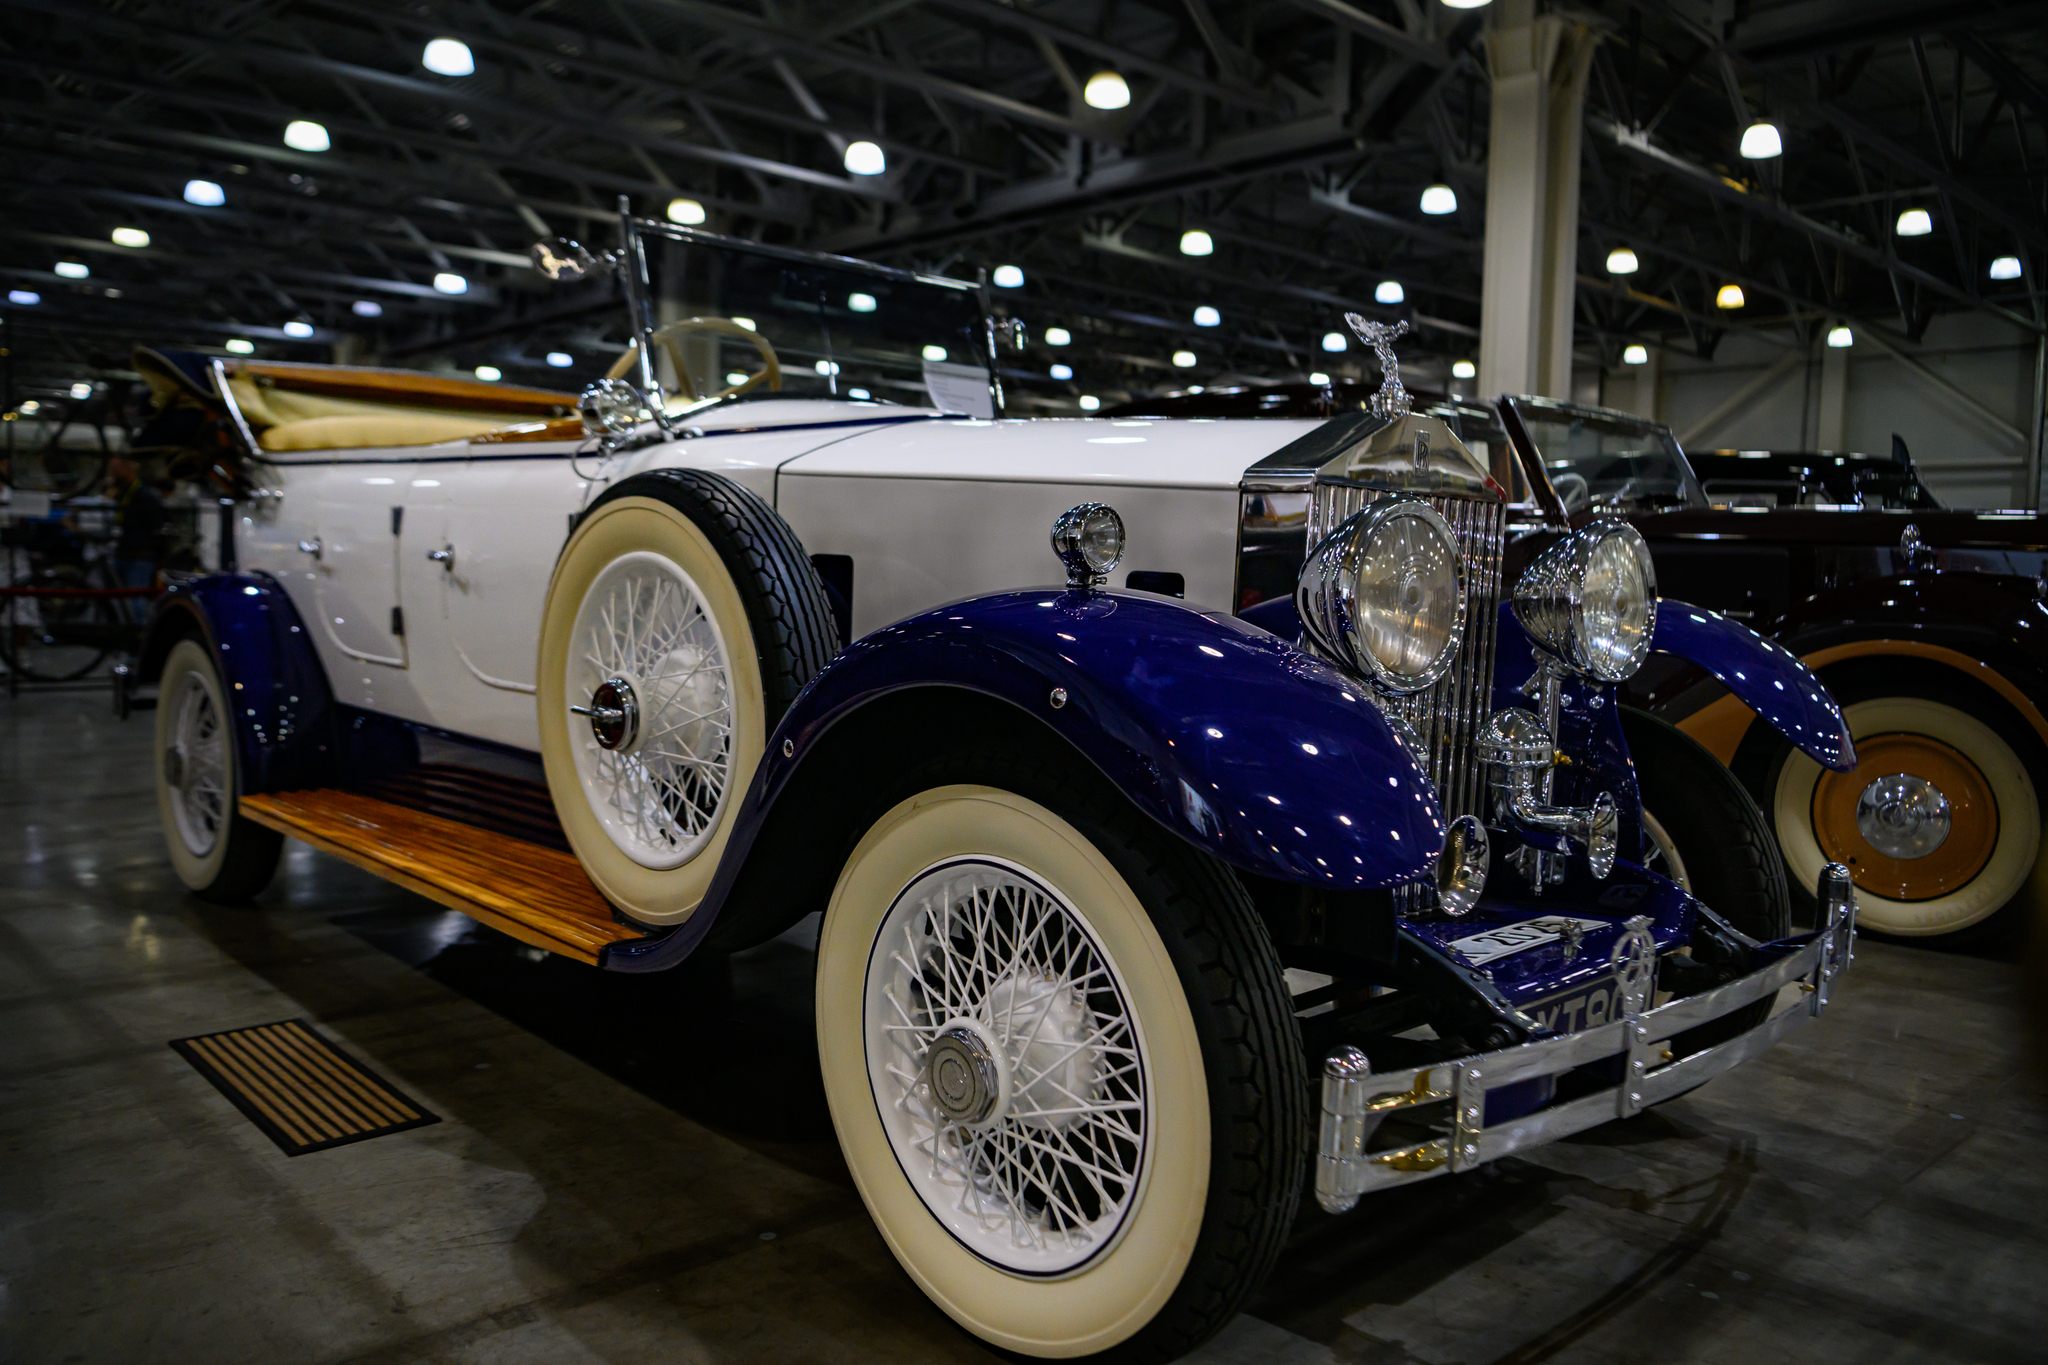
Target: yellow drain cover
[{"x": 299, "y": 1088}]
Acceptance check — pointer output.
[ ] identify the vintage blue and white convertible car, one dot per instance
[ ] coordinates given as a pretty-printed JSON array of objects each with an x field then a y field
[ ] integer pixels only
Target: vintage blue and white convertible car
[{"x": 1122, "y": 877}]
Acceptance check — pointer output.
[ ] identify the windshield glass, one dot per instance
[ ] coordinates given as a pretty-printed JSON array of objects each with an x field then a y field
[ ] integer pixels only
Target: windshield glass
[
  {"x": 1609, "y": 461},
  {"x": 836, "y": 329}
]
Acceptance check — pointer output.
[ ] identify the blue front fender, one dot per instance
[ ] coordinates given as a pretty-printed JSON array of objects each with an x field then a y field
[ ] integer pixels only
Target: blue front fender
[
  {"x": 1234, "y": 740},
  {"x": 1768, "y": 678}
]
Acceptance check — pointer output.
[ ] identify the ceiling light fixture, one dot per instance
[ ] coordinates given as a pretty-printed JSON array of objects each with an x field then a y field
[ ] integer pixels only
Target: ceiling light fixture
[
  {"x": 447, "y": 282},
  {"x": 205, "y": 193},
  {"x": 1635, "y": 355},
  {"x": 935, "y": 354},
  {"x": 26, "y": 298},
  {"x": 1205, "y": 316},
  {"x": 1107, "y": 90},
  {"x": 1184, "y": 359},
  {"x": 561, "y": 360},
  {"x": 241, "y": 346},
  {"x": 490, "y": 374},
  {"x": 1622, "y": 261},
  {"x": 130, "y": 237},
  {"x": 1841, "y": 338},
  {"x": 367, "y": 308},
  {"x": 688, "y": 212},
  {"x": 1195, "y": 242},
  {"x": 1089, "y": 402},
  {"x": 448, "y": 57},
  {"x": 747, "y": 323},
  {"x": 81, "y": 390},
  {"x": 1729, "y": 296},
  {"x": 1915, "y": 223},
  {"x": 306, "y": 136},
  {"x": 1334, "y": 342},
  {"x": 1057, "y": 336},
  {"x": 1761, "y": 142},
  {"x": 1438, "y": 200},
  {"x": 72, "y": 270},
  {"x": 1318, "y": 377},
  {"x": 1062, "y": 372},
  {"x": 2005, "y": 268},
  {"x": 1008, "y": 277},
  {"x": 1389, "y": 291},
  {"x": 1464, "y": 369},
  {"x": 826, "y": 367},
  {"x": 861, "y": 303},
  {"x": 865, "y": 158},
  {"x": 1466, "y": 4},
  {"x": 861, "y": 394},
  {"x": 298, "y": 329}
]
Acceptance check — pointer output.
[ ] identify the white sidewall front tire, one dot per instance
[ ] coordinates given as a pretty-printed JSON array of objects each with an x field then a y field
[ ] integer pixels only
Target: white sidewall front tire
[
  {"x": 2012, "y": 859},
  {"x": 623, "y": 527},
  {"x": 190, "y": 665},
  {"x": 1119, "y": 1291}
]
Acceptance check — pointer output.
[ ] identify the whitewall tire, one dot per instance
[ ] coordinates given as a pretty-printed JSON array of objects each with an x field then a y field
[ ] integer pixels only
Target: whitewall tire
[{"x": 215, "y": 852}]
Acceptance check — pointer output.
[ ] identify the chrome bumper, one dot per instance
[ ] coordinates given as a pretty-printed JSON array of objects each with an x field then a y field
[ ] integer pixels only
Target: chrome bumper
[{"x": 1355, "y": 1101}]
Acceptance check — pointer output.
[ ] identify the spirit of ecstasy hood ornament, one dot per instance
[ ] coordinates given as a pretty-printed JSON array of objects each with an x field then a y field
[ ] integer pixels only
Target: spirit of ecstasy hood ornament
[{"x": 1392, "y": 400}]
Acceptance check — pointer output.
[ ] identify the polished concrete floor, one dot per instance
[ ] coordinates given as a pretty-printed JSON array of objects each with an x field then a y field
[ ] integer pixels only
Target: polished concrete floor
[{"x": 643, "y": 1169}]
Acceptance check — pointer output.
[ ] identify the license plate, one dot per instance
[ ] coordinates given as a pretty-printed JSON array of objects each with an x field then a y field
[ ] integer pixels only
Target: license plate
[
  {"x": 1482, "y": 948},
  {"x": 1583, "y": 1008}
]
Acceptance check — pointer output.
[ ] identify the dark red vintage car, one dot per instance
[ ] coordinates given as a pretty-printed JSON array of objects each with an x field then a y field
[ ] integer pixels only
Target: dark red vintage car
[{"x": 1928, "y": 624}]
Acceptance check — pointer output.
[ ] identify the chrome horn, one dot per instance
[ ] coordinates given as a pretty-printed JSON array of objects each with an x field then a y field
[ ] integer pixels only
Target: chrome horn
[{"x": 1519, "y": 755}]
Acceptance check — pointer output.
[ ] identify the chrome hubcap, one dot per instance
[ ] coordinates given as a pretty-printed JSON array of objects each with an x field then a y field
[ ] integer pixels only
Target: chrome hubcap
[
  {"x": 1903, "y": 816},
  {"x": 196, "y": 767},
  {"x": 614, "y": 714},
  {"x": 963, "y": 1076}
]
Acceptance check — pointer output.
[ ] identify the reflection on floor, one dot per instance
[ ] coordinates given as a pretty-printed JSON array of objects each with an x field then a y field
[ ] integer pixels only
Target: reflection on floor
[{"x": 642, "y": 1168}]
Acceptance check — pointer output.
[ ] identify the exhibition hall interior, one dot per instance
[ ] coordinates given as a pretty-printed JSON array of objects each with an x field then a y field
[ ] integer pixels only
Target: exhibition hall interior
[{"x": 962, "y": 680}]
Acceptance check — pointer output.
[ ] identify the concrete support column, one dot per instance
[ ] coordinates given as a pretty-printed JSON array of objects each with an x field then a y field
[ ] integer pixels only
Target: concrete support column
[
  {"x": 1834, "y": 399},
  {"x": 1539, "y": 68}
]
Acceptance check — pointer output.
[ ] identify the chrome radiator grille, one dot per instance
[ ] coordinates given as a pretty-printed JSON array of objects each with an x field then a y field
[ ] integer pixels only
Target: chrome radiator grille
[{"x": 1448, "y": 716}]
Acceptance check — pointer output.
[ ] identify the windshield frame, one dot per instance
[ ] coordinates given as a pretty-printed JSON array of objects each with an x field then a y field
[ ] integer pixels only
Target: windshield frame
[
  {"x": 1524, "y": 409},
  {"x": 636, "y": 276}
]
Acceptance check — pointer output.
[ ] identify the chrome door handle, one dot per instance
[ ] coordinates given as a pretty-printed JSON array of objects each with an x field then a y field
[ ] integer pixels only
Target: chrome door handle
[
  {"x": 311, "y": 547},
  {"x": 445, "y": 557}
]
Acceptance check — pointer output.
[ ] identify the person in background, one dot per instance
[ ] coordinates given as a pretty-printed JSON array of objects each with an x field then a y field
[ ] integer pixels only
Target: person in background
[{"x": 140, "y": 521}]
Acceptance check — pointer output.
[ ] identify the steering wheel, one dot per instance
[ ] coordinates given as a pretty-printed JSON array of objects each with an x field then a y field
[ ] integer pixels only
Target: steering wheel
[
  {"x": 1572, "y": 490},
  {"x": 770, "y": 372}
]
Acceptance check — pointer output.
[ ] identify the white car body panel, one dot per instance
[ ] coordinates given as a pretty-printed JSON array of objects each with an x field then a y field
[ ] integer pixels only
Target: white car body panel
[{"x": 930, "y": 509}]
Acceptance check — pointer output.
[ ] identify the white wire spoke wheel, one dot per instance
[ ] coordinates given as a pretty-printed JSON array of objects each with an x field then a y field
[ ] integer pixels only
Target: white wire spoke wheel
[
  {"x": 196, "y": 765},
  {"x": 661, "y": 791},
  {"x": 1006, "y": 1066},
  {"x": 641, "y": 597},
  {"x": 1051, "y": 1203}
]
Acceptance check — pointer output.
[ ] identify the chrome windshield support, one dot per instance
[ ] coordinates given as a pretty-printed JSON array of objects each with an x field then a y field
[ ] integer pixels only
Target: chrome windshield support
[
  {"x": 1355, "y": 1101},
  {"x": 640, "y": 313}
]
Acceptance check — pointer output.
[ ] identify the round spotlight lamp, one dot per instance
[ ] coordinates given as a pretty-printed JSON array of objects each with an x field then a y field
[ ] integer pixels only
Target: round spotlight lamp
[
  {"x": 1761, "y": 142},
  {"x": 1195, "y": 242},
  {"x": 1389, "y": 291},
  {"x": 1622, "y": 261},
  {"x": 304, "y": 135},
  {"x": 2006, "y": 268},
  {"x": 1729, "y": 296},
  {"x": 1057, "y": 336},
  {"x": 1335, "y": 342},
  {"x": 1915, "y": 223},
  {"x": 1591, "y": 601},
  {"x": 610, "y": 407},
  {"x": 1464, "y": 369},
  {"x": 1089, "y": 540},
  {"x": 205, "y": 194},
  {"x": 1841, "y": 338},
  {"x": 865, "y": 158},
  {"x": 448, "y": 57},
  {"x": 1107, "y": 90},
  {"x": 1184, "y": 360},
  {"x": 72, "y": 270},
  {"x": 1635, "y": 355},
  {"x": 688, "y": 212},
  {"x": 448, "y": 282},
  {"x": 129, "y": 237},
  {"x": 1384, "y": 595},
  {"x": 1205, "y": 316},
  {"x": 1008, "y": 277},
  {"x": 367, "y": 308},
  {"x": 1438, "y": 200}
]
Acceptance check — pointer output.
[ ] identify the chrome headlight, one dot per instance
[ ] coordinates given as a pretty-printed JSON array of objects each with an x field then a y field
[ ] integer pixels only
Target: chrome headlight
[
  {"x": 1591, "y": 600},
  {"x": 1385, "y": 593},
  {"x": 611, "y": 407}
]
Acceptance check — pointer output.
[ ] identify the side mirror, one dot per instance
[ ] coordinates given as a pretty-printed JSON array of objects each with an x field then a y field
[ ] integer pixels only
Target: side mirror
[{"x": 564, "y": 261}]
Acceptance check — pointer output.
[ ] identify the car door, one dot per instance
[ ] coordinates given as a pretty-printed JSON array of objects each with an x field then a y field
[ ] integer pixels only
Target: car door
[{"x": 358, "y": 519}]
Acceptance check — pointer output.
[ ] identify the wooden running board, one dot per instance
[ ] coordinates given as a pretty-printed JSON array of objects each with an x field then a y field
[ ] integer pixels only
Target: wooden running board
[{"x": 537, "y": 895}]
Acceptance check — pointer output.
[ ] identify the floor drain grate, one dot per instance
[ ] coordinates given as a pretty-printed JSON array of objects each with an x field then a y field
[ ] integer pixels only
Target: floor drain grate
[{"x": 300, "y": 1089}]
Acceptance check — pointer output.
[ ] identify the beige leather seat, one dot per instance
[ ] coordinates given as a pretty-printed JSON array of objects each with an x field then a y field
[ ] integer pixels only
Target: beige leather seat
[{"x": 362, "y": 430}]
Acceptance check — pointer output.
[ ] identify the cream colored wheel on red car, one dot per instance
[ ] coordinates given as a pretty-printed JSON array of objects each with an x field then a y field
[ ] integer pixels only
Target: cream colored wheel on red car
[
  {"x": 1939, "y": 824},
  {"x": 1021, "y": 1084},
  {"x": 682, "y": 619}
]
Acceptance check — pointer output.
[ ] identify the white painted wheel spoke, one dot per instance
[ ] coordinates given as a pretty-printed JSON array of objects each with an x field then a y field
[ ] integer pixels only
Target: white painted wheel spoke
[{"x": 1047, "y": 1180}]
